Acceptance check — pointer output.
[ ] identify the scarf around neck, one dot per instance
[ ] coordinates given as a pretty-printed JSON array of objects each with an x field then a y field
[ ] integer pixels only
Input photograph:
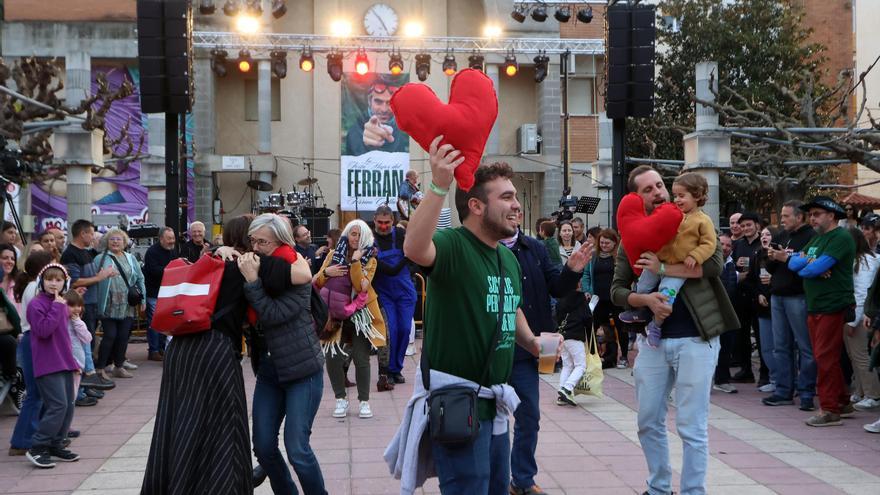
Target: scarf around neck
[{"x": 340, "y": 253}]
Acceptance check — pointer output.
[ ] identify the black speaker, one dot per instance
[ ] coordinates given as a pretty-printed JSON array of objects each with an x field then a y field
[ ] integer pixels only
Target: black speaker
[
  {"x": 165, "y": 55},
  {"x": 629, "y": 66},
  {"x": 318, "y": 226}
]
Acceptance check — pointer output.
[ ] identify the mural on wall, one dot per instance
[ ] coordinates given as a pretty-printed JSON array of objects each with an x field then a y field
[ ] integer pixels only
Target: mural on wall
[
  {"x": 115, "y": 189},
  {"x": 375, "y": 152}
]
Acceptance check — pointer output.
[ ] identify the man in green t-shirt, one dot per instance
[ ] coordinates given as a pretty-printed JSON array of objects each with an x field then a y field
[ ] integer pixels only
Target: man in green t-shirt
[
  {"x": 473, "y": 280},
  {"x": 826, "y": 266}
]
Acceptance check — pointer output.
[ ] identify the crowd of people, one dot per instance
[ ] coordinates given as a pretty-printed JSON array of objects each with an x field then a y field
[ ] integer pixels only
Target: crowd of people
[{"x": 794, "y": 309}]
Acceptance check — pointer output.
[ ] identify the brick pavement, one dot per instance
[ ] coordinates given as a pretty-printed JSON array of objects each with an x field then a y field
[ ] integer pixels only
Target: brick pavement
[{"x": 593, "y": 448}]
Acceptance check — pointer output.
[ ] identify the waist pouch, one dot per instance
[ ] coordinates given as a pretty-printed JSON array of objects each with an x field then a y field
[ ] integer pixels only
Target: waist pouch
[{"x": 452, "y": 413}]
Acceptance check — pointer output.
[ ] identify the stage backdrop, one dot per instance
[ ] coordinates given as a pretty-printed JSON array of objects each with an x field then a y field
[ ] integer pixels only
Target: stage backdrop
[
  {"x": 370, "y": 175},
  {"x": 112, "y": 192}
]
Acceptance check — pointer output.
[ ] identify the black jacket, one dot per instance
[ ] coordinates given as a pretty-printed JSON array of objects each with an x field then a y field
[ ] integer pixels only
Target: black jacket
[
  {"x": 541, "y": 278},
  {"x": 785, "y": 282},
  {"x": 190, "y": 251},
  {"x": 573, "y": 316},
  {"x": 155, "y": 261},
  {"x": 286, "y": 331}
]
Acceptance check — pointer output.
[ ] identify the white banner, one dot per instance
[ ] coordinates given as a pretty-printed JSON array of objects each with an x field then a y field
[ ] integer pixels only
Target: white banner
[{"x": 369, "y": 180}]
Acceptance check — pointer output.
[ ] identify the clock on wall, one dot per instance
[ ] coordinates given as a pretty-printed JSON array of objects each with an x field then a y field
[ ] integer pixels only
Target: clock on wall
[{"x": 380, "y": 20}]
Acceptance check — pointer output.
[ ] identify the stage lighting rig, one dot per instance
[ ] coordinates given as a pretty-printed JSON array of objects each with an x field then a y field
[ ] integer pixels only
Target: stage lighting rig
[
  {"x": 245, "y": 62},
  {"x": 279, "y": 8},
  {"x": 231, "y": 7},
  {"x": 585, "y": 15},
  {"x": 395, "y": 63},
  {"x": 218, "y": 62},
  {"x": 539, "y": 13},
  {"x": 207, "y": 7},
  {"x": 475, "y": 61},
  {"x": 254, "y": 7},
  {"x": 562, "y": 14},
  {"x": 334, "y": 65},
  {"x": 361, "y": 62},
  {"x": 450, "y": 66},
  {"x": 542, "y": 66},
  {"x": 510, "y": 65},
  {"x": 306, "y": 60},
  {"x": 423, "y": 66},
  {"x": 279, "y": 63},
  {"x": 519, "y": 14}
]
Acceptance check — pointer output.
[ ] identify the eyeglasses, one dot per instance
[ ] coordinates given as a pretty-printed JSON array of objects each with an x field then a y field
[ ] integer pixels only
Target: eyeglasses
[
  {"x": 115, "y": 239},
  {"x": 261, "y": 242}
]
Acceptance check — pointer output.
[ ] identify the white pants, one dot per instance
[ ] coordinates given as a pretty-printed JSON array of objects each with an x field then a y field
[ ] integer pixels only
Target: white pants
[{"x": 574, "y": 363}]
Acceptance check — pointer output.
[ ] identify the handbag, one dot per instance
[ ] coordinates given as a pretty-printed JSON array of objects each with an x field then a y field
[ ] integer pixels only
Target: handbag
[
  {"x": 591, "y": 381},
  {"x": 452, "y": 411},
  {"x": 5, "y": 325},
  {"x": 135, "y": 297}
]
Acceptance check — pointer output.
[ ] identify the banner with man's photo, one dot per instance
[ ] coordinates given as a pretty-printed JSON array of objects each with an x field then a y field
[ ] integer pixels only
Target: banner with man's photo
[{"x": 375, "y": 152}]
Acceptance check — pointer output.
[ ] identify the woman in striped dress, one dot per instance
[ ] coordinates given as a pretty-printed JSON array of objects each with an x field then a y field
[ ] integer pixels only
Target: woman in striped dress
[{"x": 201, "y": 441}]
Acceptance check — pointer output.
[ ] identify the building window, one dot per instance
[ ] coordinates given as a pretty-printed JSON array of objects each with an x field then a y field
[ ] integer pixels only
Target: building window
[
  {"x": 582, "y": 96},
  {"x": 250, "y": 100}
]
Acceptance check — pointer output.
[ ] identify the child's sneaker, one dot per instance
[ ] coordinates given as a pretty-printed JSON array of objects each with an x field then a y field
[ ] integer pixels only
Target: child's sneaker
[
  {"x": 63, "y": 455},
  {"x": 560, "y": 402},
  {"x": 567, "y": 396},
  {"x": 653, "y": 332},
  {"x": 640, "y": 315},
  {"x": 40, "y": 457}
]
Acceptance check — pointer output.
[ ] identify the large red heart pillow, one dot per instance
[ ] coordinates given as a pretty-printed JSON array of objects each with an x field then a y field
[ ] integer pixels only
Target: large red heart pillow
[
  {"x": 465, "y": 122},
  {"x": 640, "y": 232}
]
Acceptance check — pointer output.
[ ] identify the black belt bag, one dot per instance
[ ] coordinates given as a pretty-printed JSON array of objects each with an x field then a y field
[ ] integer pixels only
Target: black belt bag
[{"x": 452, "y": 411}]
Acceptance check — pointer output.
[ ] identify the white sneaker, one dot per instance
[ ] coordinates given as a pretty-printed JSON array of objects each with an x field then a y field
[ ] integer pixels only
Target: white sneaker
[
  {"x": 365, "y": 411},
  {"x": 411, "y": 350},
  {"x": 341, "y": 410},
  {"x": 854, "y": 398},
  {"x": 129, "y": 366},
  {"x": 769, "y": 388},
  {"x": 867, "y": 404},
  {"x": 725, "y": 387},
  {"x": 873, "y": 427}
]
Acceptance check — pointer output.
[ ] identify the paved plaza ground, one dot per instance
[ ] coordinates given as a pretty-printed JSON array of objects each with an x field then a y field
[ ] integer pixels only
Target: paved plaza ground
[{"x": 589, "y": 449}]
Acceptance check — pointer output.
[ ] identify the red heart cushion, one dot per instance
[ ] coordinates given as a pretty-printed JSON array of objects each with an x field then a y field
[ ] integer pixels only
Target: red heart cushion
[
  {"x": 640, "y": 232},
  {"x": 465, "y": 122}
]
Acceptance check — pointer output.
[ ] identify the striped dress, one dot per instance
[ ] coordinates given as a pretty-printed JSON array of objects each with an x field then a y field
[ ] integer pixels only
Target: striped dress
[{"x": 201, "y": 440}]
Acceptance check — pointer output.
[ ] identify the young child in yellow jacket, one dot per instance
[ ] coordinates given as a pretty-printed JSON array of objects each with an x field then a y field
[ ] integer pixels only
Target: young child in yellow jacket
[{"x": 693, "y": 245}]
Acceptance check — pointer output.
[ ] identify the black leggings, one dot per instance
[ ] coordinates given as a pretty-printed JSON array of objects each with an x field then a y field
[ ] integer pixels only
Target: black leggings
[
  {"x": 8, "y": 345},
  {"x": 114, "y": 342}
]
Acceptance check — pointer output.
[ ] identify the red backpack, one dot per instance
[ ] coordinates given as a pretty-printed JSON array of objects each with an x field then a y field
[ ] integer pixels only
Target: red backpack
[{"x": 188, "y": 295}]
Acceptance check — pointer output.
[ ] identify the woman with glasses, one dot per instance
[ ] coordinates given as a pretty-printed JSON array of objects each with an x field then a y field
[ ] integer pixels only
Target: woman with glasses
[
  {"x": 852, "y": 218},
  {"x": 117, "y": 303},
  {"x": 201, "y": 442}
]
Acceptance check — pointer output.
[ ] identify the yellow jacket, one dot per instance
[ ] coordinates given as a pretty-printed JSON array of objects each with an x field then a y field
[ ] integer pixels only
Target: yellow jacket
[
  {"x": 356, "y": 272},
  {"x": 696, "y": 237}
]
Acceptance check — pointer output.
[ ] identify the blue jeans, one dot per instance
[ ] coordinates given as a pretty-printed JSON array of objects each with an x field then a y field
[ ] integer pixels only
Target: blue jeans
[
  {"x": 765, "y": 329},
  {"x": 296, "y": 403},
  {"x": 481, "y": 467},
  {"x": 789, "y": 318},
  {"x": 669, "y": 286},
  {"x": 29, "y": 416},
  {"x": 399, "y": 306},
  {"x": 115, "y": 341},
  {"x": 524, "y": 380},
  {"x": 688, "y": 365},
  {"x": 155, "y": 340}
]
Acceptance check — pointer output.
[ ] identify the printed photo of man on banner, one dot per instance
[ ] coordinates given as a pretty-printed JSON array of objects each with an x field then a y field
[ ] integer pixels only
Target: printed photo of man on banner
[{"x": 375, "y": 152}]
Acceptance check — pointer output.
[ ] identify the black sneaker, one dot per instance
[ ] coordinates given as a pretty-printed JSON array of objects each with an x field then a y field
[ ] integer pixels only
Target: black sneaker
[
  {"x": 86, "y": 401},
  {"x": 259, "y": 475},
  {"x": 91, "y": 392},
  {"x": 40, "y": 457},
  {"x": 807, "y": 405},
  {"x": 73, "y": 433},
  {"x": 98, "y": 382},
  {"x": 775, "y": 400},
  {"x": 63, "y": 455},
  {"x": 397, "y": 378}
]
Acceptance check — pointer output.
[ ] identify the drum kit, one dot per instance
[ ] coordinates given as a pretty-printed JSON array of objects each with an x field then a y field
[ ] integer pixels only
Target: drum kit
[{"x": 300, "y": 206}]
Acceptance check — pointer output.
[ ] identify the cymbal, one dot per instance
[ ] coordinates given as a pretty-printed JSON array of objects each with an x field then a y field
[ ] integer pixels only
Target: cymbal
[
  {"x": 308, "y": 181},
  {"x": 259, "y": 185}
]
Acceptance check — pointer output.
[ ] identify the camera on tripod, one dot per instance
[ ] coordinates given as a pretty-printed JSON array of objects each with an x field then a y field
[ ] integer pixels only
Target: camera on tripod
[
  {"x": 14, "y": 166},
  {"x": 567, "y": 207}
]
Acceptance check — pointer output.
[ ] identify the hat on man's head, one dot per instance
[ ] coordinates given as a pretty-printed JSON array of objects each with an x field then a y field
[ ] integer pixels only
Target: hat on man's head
[
  {"x": 749, "y": 215},
  {"x": 827, "y": 204},
  {"x": 871, "y": 220}
]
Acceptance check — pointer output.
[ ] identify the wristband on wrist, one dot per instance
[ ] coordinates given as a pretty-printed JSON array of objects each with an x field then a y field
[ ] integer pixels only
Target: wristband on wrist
[
  {"x": 662, "y": 269},
  {"x": 439, "y": 191}
]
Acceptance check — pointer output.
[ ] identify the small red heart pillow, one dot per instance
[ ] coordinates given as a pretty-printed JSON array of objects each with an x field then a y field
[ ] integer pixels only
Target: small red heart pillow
[
  {"x": 640, "y": 232},
  {"x": 465, "y": 122}
]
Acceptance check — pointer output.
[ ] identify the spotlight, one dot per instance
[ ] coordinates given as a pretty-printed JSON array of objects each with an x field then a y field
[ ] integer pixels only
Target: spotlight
[
  {"x": 413, "y": 29},
  {"x": 539, "y": 14},
  {"x": 247, "y": 24},
  {"x": 492, "y": 31},
  {"x": 510, "y": 65},
  {"x": 449, "y": 65},
  {"x": 518, "y": 14},
  {"x": 423, "y": 66},
  {"x": 475, "y": 61},
  {"x": 541, "y": 67},
  {"x": 255, "y": 7},
  {"x": 334, "y": 65},
  {"x": 585, "y": 15},
  {"x": 361, "y": 62},
  {"x": 245, "y": 62},
  {"x": 279, "y": 63},
  {"x": 218, "y": 62},
  {"x": 563, "y": 14},
  {"x": 306, "y": 60},
  {"x": 279, "y": 8},
  {"x": 340, "y": 28},
  {"x": 206, "y": 7},
  {"x": 231, "y": 8},
  {"x": 395, "y": 64}
]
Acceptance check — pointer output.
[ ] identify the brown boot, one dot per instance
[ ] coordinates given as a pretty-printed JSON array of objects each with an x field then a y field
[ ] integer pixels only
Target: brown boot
[
  {"x": 383, "y": 385},
  {"x": 155, "y": 356}
]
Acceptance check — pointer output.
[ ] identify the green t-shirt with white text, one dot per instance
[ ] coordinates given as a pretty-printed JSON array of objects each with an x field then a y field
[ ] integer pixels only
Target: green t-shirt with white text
[
  {"x": 463, "y": 299},
  {"x": 829, "y": 295}
]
